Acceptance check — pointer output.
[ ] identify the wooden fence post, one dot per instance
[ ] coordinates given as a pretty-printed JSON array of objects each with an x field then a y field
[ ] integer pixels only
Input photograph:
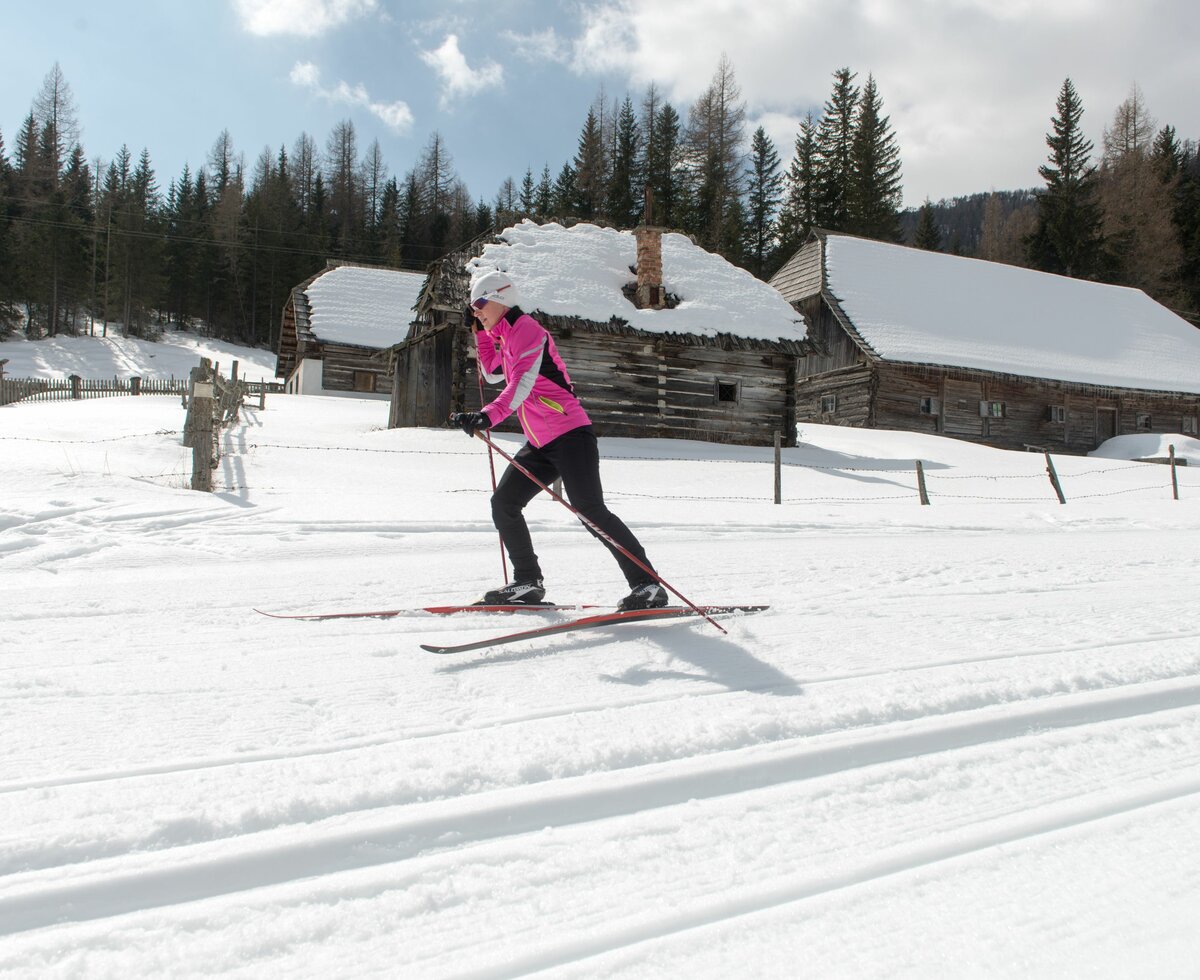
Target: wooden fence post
[
  {"x": 262, "y": 394},
  {"x": 1174, "y": 478},
  {"x": 1054, "y": 479},
  {"x": 202, "y": 435},
  {"x": 76, "y": 387},
  {"x": 135, "y": 386},
  {"x": 778, "y": 467},
  {"x": 921, "y": 485}
]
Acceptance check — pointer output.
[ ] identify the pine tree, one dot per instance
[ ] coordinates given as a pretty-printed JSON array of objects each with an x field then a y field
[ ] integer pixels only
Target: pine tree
[
  {"x": 928, "y": 236},
  {"x": 566, "y": 193},
  {"x": 589, "y": 169},
  {"x": 766, "y": 192},
  {"x": 1068, "y": 237},
  {"x": 527, "y": 198},
  {"x": 625, "y": 181},
  {"x": 874, "y": 190},
  {"x": 543, "y": 202},
  {"x": 663, "y": 160},
  {"x": 8, "y": 292},
  {"x": 835, "y": 153},
  {"x": 798, "y": 215},
  {"x": 1177, "y": 166}
]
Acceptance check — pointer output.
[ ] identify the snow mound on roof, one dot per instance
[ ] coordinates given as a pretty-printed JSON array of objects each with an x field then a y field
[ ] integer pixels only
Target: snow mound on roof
[
  {"x": 363, "y": 307},
  {"x": 580, "y": 271},
  {"x": 924, "y": 307},
  {"x": 1150, "y": 445}
]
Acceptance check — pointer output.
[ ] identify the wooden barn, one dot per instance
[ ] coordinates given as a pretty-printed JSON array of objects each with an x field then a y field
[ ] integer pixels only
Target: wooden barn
[
  {"x": 661, "y": 338},
  {"x": 922, "y": 341},
  {"x": 338, "y": 325}
]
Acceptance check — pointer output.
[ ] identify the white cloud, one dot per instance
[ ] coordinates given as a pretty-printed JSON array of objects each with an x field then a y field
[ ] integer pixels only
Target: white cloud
[
  {"x": 397, "y": 115},
  {"x": 544, "y": 46},
  {"x": 457, "y": 77},
  {"x": 305, "y": 18},
  {"x": 969, "y": 85}
]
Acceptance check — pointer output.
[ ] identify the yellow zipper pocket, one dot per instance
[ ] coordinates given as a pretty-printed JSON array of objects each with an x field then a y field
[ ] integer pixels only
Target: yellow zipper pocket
[{"x": 552, "y": 405}]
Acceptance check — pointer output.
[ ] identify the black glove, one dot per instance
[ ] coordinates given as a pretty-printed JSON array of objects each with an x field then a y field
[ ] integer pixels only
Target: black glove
[{"x": 471, "y": 422}]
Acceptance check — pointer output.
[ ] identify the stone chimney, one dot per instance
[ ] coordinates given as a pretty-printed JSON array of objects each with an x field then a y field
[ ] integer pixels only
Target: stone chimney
[{"x": 650, "y": 292}]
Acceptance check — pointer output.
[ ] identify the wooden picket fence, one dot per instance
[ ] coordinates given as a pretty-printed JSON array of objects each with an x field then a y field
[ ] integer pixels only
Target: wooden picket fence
[{"x": 75, "y": 388}]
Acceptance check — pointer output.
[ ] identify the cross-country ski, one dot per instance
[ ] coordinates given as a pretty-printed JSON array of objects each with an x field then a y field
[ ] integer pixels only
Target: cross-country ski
[{"x": 592, "y": 622}]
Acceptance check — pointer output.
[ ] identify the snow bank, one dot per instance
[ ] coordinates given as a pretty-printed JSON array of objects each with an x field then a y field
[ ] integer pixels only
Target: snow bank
[
  {"x": 1150, "y": 445},
  {"x": 581, "y": 271},
  {"x": 924, "y": 307},
  {"x": 172, "y": 356}
]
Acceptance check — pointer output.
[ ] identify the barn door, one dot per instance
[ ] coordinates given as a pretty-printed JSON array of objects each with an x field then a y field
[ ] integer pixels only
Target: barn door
[
  {"x": 1106, "y": 424},
  {"x": 961, "y": 407}
]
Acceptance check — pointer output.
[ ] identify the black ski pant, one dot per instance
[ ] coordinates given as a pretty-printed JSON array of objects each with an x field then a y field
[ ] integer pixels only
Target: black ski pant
[{"x": 576, "y": 458}]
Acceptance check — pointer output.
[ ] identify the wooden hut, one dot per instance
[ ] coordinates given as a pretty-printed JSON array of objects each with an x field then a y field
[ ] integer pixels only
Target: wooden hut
[
  {"x": 337, "y": 325},
  {"x": 922, "y": 341},
  {"x": 661, "y": 338}
]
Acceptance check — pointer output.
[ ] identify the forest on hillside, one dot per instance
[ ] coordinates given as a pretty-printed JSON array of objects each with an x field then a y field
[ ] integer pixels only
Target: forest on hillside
[{"x": 85, "y": 242}]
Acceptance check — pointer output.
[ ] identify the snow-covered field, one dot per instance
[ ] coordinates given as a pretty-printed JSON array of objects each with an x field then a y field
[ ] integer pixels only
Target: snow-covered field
[{"x": 964, "y": 740}]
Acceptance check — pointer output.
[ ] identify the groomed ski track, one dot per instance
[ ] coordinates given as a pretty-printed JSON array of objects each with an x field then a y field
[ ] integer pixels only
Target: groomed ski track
[{"x": 965, "y": 740}]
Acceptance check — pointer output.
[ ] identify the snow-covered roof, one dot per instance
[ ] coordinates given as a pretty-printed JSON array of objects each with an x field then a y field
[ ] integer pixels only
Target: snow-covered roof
[
  {"x": 363, "y": 307},
  {"x": 580, "y": 271},
  {"x": 916, "y": 306}
]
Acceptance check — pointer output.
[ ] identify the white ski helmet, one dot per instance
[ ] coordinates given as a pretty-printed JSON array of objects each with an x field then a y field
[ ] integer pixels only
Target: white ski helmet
[{"x": 494, "y": 286}]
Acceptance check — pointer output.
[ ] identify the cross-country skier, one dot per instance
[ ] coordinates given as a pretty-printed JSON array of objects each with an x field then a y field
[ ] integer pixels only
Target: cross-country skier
[{"x": 514, "y": 348}]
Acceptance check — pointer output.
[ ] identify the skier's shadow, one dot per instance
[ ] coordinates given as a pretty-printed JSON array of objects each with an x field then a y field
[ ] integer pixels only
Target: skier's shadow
[{"x": 717, "y": 660}]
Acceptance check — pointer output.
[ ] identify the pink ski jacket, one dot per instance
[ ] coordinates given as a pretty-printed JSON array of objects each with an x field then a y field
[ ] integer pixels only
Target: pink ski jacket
[{"x": 537, "y": 388}]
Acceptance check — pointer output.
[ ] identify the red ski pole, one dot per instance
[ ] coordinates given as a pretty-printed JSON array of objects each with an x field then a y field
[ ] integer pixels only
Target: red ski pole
[{"x": 601, "y": 534}]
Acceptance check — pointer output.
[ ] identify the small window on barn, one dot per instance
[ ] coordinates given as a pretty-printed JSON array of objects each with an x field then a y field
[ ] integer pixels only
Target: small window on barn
[
  {"x": 992, "y": 410},
  {"x": 931, "y": 406},
  {"x": 828, "y": 404},
  {"x": 1143, "y": 421},
  {"x": 727, "y": 392},
  {"x": 1188, "y": 426},
  {"x": 1056, "y": 413},
  {"x": 364, "y": 381}
]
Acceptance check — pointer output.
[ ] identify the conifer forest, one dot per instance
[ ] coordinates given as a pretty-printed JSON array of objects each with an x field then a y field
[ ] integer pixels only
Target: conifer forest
[{"x": 87, "y": 243}]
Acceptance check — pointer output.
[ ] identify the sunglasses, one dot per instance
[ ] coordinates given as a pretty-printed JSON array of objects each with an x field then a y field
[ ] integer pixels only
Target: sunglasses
[{"x": 480, "y": 303}]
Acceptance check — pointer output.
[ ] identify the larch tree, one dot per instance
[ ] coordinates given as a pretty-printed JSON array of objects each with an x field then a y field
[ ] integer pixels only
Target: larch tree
[
  {"x": 716, "y": 135},
  {"x": 1143, "y": 241}
]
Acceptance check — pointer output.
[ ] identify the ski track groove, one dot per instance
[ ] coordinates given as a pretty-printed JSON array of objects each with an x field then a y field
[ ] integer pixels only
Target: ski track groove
[
  {"x": 254, "y": 863},
  {"x": 493, "y": 724},
  {"x": 614, "y": 942}
]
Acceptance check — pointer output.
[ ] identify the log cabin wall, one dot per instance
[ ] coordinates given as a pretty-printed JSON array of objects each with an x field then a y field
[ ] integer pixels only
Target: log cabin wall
[
  {"x": 1031, "y": 413},
  {"x": 644, "y": 386},
  {"x": 837, "y": 397},
  {"x": 359, "y": 369}
]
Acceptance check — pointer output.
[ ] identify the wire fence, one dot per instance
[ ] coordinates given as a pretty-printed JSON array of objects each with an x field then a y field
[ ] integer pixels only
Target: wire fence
[{"x": 906, "y": 480}]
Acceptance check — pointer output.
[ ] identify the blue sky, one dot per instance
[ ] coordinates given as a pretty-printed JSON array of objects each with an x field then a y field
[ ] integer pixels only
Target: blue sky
[{"x": 969, "y": 84}]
